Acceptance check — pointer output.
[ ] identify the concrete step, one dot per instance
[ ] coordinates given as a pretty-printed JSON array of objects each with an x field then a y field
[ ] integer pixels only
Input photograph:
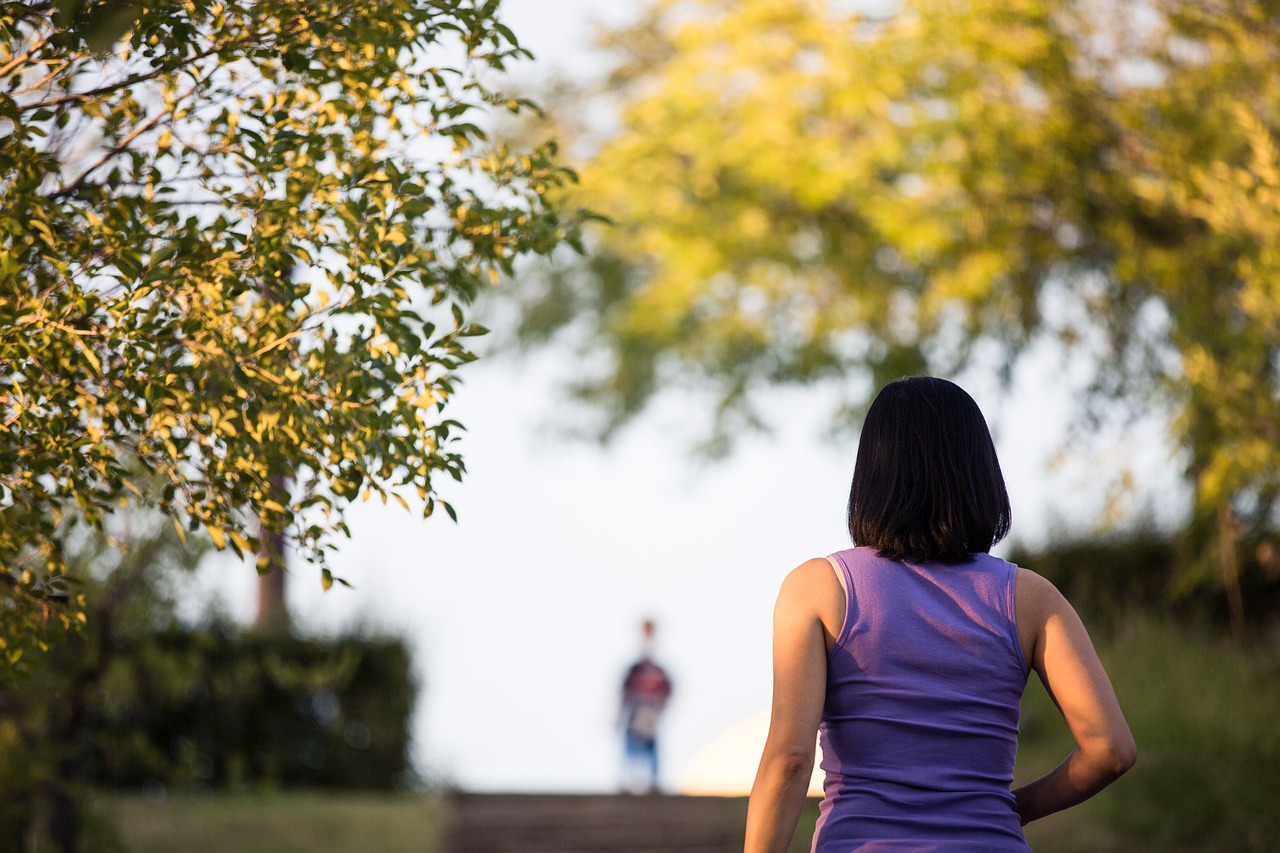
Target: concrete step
[{"x": 562, "y": 823}]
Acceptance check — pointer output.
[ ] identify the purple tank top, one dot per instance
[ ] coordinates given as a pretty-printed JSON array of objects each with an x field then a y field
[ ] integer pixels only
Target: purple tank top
[{"x": 920, "y": 726}]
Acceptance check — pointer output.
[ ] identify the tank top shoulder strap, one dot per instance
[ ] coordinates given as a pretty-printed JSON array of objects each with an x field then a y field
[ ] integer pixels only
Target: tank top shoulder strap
[
  {"x": 844, "y": 574},
  {"x": 841, "y": 572},
  {"x": 1006, "y": 580}
]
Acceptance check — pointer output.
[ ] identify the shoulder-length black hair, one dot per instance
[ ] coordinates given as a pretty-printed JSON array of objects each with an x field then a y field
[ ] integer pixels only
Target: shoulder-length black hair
[{"x": 927, "y": 484}]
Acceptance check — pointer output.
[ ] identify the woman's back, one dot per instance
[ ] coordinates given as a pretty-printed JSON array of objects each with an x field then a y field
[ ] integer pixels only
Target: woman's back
[
  {"x": 920, "y": 721},
  {"x": 912, "y": 674}
]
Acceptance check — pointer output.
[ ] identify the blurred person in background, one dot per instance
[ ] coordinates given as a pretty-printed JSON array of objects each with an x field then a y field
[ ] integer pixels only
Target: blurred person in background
[
  {"x": 907, "y": 656},
  {"x": 645, "y": 691}
]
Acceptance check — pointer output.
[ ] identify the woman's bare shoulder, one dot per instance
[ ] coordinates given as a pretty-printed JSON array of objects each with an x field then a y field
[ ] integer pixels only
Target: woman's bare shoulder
[
  {"x": 813, "y": 589},
  {"x": 1036, "y": 594},
  {"x": 1038, "y": 602},
  {"x": 813, "y": 580}
]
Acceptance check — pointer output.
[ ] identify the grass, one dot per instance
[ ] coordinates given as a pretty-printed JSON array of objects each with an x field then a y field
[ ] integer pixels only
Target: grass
[
  {"x": 277, "y": 823},
  {"x": 1203, "y": 711}
]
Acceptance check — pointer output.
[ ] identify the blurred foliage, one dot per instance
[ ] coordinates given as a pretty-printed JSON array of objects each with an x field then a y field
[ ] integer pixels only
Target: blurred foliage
[
  {"x": 141, "y": 701},
  {"x": 1202, "y": 710},
  {"x": 217, "y": 707},
  {"x": 238, "y": 240},
  {"x": 803, "y": 191},
  {"x": 1108, "y": 578},
  {"x": 125, "y": 575}
]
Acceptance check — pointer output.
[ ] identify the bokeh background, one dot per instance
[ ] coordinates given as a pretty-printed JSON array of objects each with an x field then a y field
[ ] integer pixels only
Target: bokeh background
[
  {"x": 525, "y": 613},
  {"x": 521, "y": 617}
]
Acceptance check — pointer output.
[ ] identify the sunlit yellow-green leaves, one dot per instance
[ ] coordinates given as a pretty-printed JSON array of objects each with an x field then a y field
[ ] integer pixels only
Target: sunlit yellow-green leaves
[
  {"x": 813, "y": 188},
  {"x": 237, "y": 242}
]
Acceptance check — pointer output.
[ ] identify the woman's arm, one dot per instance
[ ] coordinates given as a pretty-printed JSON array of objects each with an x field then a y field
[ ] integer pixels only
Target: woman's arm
[
  {"x": 804, "y": 622},
  {"x": 1064, "y": 658}
]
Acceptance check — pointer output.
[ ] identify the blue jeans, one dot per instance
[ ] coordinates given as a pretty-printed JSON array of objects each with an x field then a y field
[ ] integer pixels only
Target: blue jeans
[{"x": 642, "y": 751}]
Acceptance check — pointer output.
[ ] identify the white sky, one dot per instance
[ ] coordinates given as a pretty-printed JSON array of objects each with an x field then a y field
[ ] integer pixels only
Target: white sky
[{"x": 524, "y": 615}]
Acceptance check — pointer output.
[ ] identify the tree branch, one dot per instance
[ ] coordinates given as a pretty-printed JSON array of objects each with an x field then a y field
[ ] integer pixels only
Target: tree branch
[
  {"x": 127, "y": 83},
  {"x": 123, "y": 145},
  {"x": 43, "y": 81},
  {"x": 23, "y": 57}
]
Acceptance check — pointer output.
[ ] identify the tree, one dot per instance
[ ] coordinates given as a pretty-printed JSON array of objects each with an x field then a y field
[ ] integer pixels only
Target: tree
[
  {"x": 237, "y": 244},
  {"x": 129, "y": 575},
  {"x": 800, "y": 191}
]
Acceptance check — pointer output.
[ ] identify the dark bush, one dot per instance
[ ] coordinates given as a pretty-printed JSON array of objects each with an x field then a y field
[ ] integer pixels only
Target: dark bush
[
  {"x": 136, "y": 699},
  {"x": 221, "y": 708},
  {"x": 1106, "y": 577}
]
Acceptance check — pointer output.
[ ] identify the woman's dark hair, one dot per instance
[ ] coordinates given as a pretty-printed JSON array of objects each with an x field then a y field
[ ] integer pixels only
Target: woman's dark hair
[{"x": 927, "y": 485}]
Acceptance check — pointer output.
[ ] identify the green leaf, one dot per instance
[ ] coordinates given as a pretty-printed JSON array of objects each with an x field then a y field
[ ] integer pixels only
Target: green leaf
[{"x": 159, "y": 307}]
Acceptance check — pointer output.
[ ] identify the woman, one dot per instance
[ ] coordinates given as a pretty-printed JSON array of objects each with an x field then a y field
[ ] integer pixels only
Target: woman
[{"x": 908, "y": 655}]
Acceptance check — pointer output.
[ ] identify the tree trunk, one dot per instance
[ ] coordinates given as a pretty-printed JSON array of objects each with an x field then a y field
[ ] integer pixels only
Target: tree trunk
[
  {"x": 1229, "y": 567},
  {"x": 62, "y": 812},
  {"x": 273, "y": 609}
]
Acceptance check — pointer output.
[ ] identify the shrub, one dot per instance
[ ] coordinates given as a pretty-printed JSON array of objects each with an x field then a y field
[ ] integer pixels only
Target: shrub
[
  {"x": 1202, "y": 710},
  {"x": 220, "y": 708}
]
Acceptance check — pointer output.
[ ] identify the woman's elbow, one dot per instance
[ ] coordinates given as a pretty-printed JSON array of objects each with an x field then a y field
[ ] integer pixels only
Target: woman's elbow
[
  {"x": 789, "y": 764},
  {"x": 1110, "y": 756},
  {"x": 1124, "y": 755},
  {"x": 1118, "y": 755}
]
